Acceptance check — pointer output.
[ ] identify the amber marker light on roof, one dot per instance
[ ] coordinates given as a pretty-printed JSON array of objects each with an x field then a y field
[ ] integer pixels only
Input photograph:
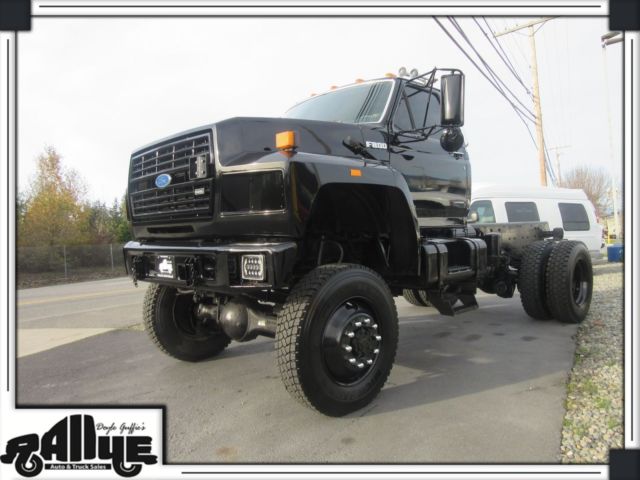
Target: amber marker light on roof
[
  {"x": 390, "y": 75},
  {"x": 333, "y": 87},
  {"x": 285, "y": 140},
  {"x": 359, "y": 80},
  {"x": 356, "y": 172}
]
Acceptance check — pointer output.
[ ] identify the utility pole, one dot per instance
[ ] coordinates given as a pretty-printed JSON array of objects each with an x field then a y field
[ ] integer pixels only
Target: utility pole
[
  {"x": 609, "y": 39},
  {"x": 536, "y": 92},
  {"x": 557, "y": 150}
]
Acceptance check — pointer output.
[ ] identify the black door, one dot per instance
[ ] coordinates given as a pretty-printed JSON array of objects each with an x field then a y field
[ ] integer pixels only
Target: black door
[{"x": 438, "y": 180}]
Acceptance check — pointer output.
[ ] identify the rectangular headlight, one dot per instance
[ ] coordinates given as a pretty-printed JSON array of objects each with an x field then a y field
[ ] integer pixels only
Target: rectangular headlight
[{"x": 253, "y": 267}]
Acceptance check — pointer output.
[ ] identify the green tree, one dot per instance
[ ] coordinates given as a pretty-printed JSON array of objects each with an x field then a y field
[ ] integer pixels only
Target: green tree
[
  {"x": 98, "y": 224},
  {"x": 52, "y": 209},
  {"x": 121, "y": 227}
]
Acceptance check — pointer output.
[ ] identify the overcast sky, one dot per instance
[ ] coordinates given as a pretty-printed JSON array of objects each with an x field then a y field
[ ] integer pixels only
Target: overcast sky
[{"x": 96, "y": 89}]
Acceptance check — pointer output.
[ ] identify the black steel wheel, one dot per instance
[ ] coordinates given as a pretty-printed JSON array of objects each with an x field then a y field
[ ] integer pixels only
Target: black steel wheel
[
  {"x": 336, "y": 338},
  {"x": 532, "y": 278},
  {"x": 569, "y": 283},
  {"x": 416, "y": 297},
  {"x": 171, "y": 322}
]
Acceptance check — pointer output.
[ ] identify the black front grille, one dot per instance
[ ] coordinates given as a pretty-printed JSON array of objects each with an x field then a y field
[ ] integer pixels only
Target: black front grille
[{"x": 188, "y": 194}]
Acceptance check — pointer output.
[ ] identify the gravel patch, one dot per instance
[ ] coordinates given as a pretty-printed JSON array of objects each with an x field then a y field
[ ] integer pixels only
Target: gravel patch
[{"x": 594, "y": 407}]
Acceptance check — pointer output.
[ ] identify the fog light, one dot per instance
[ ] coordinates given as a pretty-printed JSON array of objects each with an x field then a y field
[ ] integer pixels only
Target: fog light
[{"x": 253, "y": 267}]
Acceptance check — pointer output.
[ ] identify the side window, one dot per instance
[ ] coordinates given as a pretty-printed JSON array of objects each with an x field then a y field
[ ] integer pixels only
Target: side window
[
  {"x": 412, "y": 110},
  {"x": 484, "y": 209},
  {"x": 574, "y": 217},
  {"x": 433, "y": 115},
  {"x": 522, "y": 212}
]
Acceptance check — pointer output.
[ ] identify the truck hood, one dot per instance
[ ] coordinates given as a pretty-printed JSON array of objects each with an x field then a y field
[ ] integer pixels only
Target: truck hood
[{"x": 244, "y": 140}]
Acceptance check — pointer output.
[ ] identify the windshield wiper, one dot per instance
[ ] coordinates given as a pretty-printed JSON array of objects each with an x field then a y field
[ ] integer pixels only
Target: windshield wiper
[{"x": 357, "y": 148}]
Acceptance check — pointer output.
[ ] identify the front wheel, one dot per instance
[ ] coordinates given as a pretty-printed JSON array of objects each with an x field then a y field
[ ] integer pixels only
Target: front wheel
[
  {"x": 171, "y": 322},
  {"x": 337, "y": 336}
]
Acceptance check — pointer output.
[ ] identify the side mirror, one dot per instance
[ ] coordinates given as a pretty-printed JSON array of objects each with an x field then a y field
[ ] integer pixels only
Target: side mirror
[
  {"x": 473, "y": 217},
  {"x": 452, "y": 105}
]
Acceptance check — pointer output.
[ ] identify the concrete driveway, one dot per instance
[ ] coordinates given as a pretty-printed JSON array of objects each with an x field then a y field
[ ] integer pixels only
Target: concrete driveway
[{"x": 487, "y": 386}]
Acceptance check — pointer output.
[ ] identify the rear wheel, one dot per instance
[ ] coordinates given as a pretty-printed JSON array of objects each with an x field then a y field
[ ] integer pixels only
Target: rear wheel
[
  {"x": 532, "y": 279},
  {"x": 569, "y": 284},
  {"x": 336, "y": 338},
  {"x": 170, "y": 321},
  {"x": 416, "y": 297}
]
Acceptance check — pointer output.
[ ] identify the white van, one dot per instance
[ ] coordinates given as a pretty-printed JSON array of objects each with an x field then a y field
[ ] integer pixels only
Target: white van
[{"x": 567, "y": 208}]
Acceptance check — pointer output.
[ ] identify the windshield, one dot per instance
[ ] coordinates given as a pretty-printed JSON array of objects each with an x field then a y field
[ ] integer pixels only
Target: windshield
[{"x": 361, "y": 103}]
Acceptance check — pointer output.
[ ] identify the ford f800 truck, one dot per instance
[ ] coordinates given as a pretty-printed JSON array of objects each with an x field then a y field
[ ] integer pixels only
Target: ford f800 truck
[{"x": 303, "y": 228}]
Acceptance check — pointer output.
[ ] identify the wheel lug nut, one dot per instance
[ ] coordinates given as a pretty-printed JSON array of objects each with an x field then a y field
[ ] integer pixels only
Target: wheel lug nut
[
  {"x": 358, "y": 324},
  {"x": 348, "y": 348},
  {"x": 369, "y": 362},
  {"x": 352, "y": 361},
  {"x": 376, "y": 351},
  {"x": 351, "y": 334},
  {"x": 374, "y": 326},
  {"x": 361, "y": 365},
  {"x": 367, "y": 321},
  {"x": 378, "y": 337}
]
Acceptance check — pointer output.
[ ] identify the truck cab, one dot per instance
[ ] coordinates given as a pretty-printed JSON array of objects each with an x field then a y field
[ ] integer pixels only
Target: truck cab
[{"x": 304, "y": 227}]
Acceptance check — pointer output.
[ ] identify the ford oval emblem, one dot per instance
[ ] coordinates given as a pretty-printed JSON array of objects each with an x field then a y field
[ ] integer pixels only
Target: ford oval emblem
[{"x": 163, "y": 180}]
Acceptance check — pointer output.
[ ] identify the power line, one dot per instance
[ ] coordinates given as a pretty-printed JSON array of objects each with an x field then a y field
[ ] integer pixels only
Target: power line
[
  {"x": 542, "y": 155},
  {"x": 515, "y": 107},
  {"x": 501, "y": 53},
  {"x": 514, "y": 43},
  {"x": 521, "y": 114},
  {"x": 489, "y": 69}
]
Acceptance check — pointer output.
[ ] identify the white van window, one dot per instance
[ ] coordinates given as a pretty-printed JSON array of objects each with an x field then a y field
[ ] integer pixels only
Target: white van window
[
  {"x": 522, "y": 212},
  {"x": 484, "y": 209},
  {"x": 574, "y": 217}
]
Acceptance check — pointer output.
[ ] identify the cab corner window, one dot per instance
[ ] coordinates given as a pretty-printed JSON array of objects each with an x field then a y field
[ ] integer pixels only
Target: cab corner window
[
  {"x": 522, "y": 212},
  {"x": 484, "y": 209},
  {"x": 574, "y": 217}
]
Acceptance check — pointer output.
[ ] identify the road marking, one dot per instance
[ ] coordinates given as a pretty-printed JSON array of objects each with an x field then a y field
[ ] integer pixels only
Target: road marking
[
  {"x": 35, "y": 340},
  {"x": 74, "y": 297},
  {"x": 77, "y": 312}
]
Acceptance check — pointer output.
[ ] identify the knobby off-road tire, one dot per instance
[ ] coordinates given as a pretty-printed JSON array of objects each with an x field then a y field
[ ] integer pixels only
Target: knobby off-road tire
[
  {"x": 416, "y": 297},
  {"x": 170, "y": 322},
  {"x": 532, "y": 279},
  {"x": 569, "y": 282},
  {"x": 315, "y": 345}
]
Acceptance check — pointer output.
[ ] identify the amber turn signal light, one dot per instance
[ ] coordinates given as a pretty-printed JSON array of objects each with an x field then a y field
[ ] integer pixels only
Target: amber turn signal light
[
  {"x": 285, "y": 140},
  {"x": 355, "y": 172}
]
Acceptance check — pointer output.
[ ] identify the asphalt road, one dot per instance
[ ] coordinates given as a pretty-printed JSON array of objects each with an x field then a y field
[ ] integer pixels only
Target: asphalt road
[{"x": 486, "y": 386}]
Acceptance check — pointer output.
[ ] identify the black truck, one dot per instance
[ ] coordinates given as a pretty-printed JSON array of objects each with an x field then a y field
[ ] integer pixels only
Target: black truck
[{"x": 305, "y": 227}]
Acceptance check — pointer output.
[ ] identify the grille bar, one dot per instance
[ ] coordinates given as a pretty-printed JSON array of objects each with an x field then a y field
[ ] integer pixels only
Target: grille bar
[
  {"x": 160, "y": 159},
  {"x": 178, "y": 200}
]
